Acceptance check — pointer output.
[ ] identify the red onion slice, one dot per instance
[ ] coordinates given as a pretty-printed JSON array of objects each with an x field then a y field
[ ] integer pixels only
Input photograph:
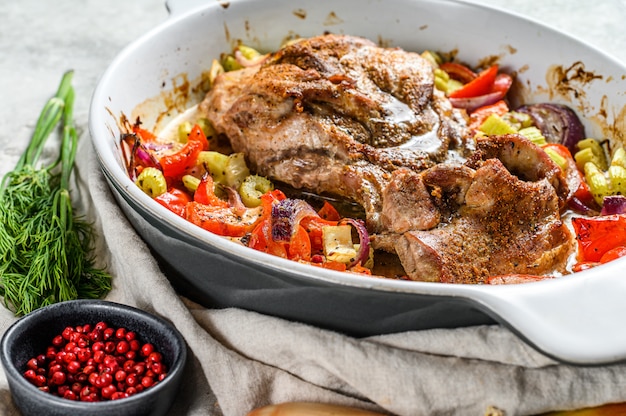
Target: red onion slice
[
  {"x": 234, "y": 200},
  {"x": 364, "y": 241},
  {"x": 135, "y": 154},
  {"x": 472, "y": 103},
  {"x": 614, "y": 204},
  {"x": 246, "y": 63},
  {"x": 580, "y": 207},
  {"x": 286, "y": 216},
  {"x": 557, "y": 122}
]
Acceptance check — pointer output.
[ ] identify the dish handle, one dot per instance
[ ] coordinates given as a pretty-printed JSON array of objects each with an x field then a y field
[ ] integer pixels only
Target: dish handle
[{"x": 576, "y": 319}]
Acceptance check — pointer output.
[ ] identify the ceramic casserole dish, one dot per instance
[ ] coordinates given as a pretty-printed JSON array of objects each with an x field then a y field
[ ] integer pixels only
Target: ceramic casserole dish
[{"x": 574, "y": 319}]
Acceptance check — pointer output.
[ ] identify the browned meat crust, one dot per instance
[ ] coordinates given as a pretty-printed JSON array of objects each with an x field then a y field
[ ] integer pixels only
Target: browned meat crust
[{"x": 337, "y": 114}]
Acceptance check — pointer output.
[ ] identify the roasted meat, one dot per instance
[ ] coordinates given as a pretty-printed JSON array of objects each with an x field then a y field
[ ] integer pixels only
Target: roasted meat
[
  {"x": 339, "y": 115},
  {"x": 491, "y": 220}
]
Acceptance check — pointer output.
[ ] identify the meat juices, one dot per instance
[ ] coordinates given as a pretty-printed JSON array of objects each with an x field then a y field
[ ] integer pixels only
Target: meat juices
[{"x": 339, "y": 115}]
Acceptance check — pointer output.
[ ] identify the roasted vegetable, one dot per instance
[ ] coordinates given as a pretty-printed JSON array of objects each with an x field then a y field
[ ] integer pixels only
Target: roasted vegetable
[
  {"x": 152, "y": 182},
  {"x": 252, "y": 188},
  {"x": 558, "y": 123}
]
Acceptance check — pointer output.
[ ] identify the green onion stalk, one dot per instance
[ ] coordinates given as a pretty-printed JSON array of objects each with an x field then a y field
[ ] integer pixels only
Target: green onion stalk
[{"x": 45, "y": 248}]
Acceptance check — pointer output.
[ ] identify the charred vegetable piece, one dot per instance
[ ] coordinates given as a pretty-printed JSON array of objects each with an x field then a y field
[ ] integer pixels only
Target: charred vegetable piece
[
  {"x": 485, "y": 89},
  {"x": 236, "y": 170},
  {"x": 191, "y": 182},
  {"x": 495, "y": 125},
  {"x": 558, "y": 123},
  {"x": 175, "y": 200},
  {"x": 338, "y": 244},
  {"x": 590, "y": 150},
  {"x": 444, "y": 83},
  {"x": 286, "y": 217},
  {"x": 458, "y": 72},
  {"x": 364, "y": 252},
  {"x": 152, "y": 182},
  {"x": 229, "y": 170},
  {"x": 479, "y": 85},
  {"x": 215, "y": 70},
  {"x": 215, "y": 163},
  {"x": 614, "y": 204},
  {"x": 597, "y": 182},
  {"x": 598, "y": 235},
  {"x": 136, "y": 155},
  {"x": 252, "y": 188},
  {"x": 533, "y": 134},
  {"x": 177, "y": 164}
]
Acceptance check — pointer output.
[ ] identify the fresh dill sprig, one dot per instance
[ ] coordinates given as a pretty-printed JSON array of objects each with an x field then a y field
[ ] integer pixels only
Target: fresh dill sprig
[{"x": 45, "y": 249}]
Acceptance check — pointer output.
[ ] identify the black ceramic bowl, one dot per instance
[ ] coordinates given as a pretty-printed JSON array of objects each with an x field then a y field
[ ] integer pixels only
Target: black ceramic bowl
[{"x": 32, "y": 334}]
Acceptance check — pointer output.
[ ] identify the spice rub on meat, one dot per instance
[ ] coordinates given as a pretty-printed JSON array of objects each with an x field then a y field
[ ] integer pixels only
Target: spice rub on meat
[{"x": 338, "y": 114}]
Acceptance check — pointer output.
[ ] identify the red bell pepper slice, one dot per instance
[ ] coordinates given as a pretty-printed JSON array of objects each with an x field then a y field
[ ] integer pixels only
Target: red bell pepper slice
[
  {"x": 480, "y": 85},
  {"x": 458, "y": 72},
  {"x": 597, "y": 235},
  {"x": 144, "y": 135},
  {"x": 205, "y": 193},
  {"x": 299, "y": 247},
  {"x": 175, "y": 200},
  {"x": 329, "y": 212},
  {"x": 261, "y": 240},
  {"x": 478, "y": 117},
  {"x": 313, "y": 226},
  {"x": 612, "y": 254},
  {"x": 175, "y": 165},
  {"x": 197, "y": 134},
  {"x": 219, "y": 220}
]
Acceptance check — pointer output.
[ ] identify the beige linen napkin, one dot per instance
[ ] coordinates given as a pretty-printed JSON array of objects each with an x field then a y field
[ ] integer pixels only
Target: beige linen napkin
[
  {"x": 245, "y": 360},
  {"x": 241, "y": 360}
]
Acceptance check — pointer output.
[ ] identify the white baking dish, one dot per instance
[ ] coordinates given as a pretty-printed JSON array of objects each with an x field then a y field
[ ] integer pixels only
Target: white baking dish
[{"x": 575, "y": 318}]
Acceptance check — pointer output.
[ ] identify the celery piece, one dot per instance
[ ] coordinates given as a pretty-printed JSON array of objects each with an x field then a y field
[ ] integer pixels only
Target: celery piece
[
  {"x": 441, "y": 74},
  {"x": 206, "y": 126},
  {"x": 557, "y": 158},
  {"x": 619, "y": 158},
  {"x": 215, "y": 70},
  {"x": 190, "y": 182},
  {"x": 518, "y": 120},
  {"x": 236, "y": 170},
  {"x": 184, "y": 129},
  {"x": 215, "y": 163},
  {"x": 533, "y": 134},
  {"x": 598, "y": 184},
  {"x": 453, "y": 85},
  {"x": 248, "y": 52},
  {"x": 152, "y": 182},
  {"x": 229, "y": 63},
  {"x": 432, "y": 57},
  {"x": 599, "y": 158},
  {"x": 617, "y": 176},
  {"x": 495, "y": 125},
  {"x": 582, "y": 157},
  {"x": 444, "y": 83},
  {"x": 252, "y": 188}
]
